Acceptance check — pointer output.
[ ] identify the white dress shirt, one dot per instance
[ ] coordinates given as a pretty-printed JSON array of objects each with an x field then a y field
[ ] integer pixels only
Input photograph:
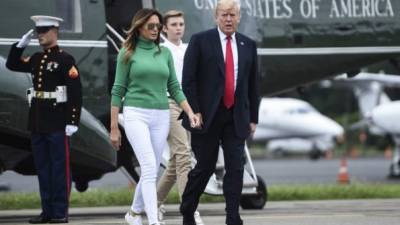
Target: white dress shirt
[
  {"x": 223, "y": 40},
  {"x": 178, "y": 52}
]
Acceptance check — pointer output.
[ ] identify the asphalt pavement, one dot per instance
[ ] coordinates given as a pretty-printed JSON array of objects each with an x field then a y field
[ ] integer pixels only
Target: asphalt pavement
[
  {"x": 337, "y": 212},
  {"x": 273, "y": 171}
]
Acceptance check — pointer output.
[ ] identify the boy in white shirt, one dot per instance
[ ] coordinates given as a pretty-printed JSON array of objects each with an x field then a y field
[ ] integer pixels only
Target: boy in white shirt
[{"x": 179, "y": 163}]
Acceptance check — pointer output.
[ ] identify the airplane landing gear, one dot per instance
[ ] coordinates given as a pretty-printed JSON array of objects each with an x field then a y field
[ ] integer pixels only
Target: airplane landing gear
[
  {"x": 258, "y": 200},
  {"x": 315, "y": 154},
  {"x": 394, "y": 170}
]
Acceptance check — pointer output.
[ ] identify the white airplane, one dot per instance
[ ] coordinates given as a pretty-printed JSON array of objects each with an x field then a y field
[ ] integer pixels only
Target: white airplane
[
  {"x": 283, "y": 121},
  {"x": 380, "y": 114},
  {"x": 314, "y": 147}
]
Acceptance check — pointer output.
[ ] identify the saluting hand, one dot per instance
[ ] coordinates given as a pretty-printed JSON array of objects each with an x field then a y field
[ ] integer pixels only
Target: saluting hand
[
  {"x": 115, "y": 137},
  {"x": 25, "y": 39}
]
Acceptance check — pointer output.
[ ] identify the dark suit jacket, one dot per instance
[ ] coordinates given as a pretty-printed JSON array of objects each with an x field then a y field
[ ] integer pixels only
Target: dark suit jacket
[{"x": 203, "y": 80}]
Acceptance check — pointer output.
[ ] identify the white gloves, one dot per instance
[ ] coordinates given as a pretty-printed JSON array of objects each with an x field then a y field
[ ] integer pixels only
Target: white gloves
[
  {"x": 25, "y": 39},
  {"x": 70, "y": 130}
]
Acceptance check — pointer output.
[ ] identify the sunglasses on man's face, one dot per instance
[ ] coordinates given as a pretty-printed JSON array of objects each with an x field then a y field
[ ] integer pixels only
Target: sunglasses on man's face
[
  {"x": 43, "y": 30},
  {"x": 151, "y": 26}
]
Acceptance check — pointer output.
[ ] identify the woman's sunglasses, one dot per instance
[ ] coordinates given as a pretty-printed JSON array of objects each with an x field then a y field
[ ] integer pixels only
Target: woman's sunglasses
[{"x": 151, "y": 26}]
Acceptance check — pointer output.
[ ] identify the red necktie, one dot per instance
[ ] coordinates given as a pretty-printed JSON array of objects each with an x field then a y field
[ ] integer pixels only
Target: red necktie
[{"x": 229, "y": 96}]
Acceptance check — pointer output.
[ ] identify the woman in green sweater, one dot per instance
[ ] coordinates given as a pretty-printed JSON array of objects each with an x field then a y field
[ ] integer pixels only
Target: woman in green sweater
[{"x": 145, "y": 72}]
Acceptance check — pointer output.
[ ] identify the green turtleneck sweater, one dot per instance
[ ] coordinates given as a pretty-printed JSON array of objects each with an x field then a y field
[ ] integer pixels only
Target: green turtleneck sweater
[{"x": 143, "y": 81}]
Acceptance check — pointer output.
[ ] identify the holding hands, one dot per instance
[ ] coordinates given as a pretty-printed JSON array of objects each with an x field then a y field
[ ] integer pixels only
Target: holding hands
[{"x": 196, "y": 121}]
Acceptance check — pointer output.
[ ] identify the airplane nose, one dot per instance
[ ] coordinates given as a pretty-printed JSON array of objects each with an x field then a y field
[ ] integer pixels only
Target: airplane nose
[
  {"x": 335, "y": 128},
  {"x": 319, "y": 125},
  {"x": 386, "y": 116}
]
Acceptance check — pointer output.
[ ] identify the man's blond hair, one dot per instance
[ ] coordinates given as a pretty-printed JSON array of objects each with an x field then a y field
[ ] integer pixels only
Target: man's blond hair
[{"x": 227, "y": 4}]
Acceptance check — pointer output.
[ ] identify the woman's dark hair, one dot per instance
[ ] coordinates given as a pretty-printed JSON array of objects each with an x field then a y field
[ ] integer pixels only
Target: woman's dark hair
[{"x": 138, "y": 21}]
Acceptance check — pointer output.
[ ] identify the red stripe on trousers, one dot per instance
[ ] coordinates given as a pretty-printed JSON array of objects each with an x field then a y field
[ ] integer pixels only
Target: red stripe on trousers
[{"x": 67, "y": 174}]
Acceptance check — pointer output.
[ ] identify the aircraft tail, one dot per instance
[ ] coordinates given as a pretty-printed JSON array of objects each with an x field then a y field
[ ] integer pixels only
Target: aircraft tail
[
  {"x": 369, "y": 89},
  {"x": 369, "y": 95}
]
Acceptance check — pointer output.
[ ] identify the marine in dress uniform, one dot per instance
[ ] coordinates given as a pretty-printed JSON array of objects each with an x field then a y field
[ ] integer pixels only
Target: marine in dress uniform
[{"x": 55, "y": 106}]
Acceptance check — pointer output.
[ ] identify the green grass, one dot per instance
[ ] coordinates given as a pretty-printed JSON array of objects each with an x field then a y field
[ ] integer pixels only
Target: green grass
[
  {"x": 123, "y": 196},
  {"x": 338, "y": 191}
]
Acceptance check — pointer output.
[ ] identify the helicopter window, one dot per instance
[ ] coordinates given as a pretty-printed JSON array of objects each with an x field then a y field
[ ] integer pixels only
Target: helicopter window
[
  {"x": 302, "y": 110},
  {"x": 70, "y": 11}
]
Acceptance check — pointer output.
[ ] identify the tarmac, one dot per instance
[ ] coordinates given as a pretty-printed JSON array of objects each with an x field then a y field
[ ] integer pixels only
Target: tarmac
[{"x": 333, "y": 212}]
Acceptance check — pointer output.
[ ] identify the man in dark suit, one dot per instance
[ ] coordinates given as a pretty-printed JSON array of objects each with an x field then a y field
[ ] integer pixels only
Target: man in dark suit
[{"x": 220, "y": 81}]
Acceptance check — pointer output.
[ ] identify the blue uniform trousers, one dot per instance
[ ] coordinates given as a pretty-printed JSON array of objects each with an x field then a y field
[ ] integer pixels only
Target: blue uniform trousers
[{"x": 51, "y": 156}]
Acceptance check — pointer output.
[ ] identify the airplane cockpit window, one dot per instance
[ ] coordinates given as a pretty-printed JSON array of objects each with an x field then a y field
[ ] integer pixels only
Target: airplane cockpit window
[{"x": 70, "y": 11}]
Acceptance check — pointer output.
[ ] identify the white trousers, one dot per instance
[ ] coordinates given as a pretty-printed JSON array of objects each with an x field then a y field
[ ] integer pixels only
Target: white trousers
[{"x": 147, "y": 131}]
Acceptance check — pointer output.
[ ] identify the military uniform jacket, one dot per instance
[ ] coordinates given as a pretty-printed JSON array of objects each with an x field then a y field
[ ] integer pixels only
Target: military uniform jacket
[{"x": 49, "y": 69}]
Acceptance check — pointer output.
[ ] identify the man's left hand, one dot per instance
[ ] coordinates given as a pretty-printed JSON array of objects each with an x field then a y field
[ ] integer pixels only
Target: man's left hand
[
  {"x": 252, "y": 129},
  {"x": 70, "y": 130}
]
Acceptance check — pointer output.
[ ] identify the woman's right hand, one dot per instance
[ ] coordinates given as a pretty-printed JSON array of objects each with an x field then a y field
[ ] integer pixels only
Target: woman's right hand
[{"x": 115, "y": 137}]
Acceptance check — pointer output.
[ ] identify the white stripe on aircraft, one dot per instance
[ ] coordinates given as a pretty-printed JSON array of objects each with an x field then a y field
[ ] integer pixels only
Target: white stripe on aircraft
[
  {"x": 329, "y": 50},
  {"x": 63, "y": 43},
  {"x": 260, "y": 51}
]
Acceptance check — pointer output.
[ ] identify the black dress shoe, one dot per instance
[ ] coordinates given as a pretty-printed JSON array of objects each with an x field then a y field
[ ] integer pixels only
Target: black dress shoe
[
  {"x": 188, "y": 221},
  {"x": 39, "y": 219},
  {"x": 58, "y": 220}
]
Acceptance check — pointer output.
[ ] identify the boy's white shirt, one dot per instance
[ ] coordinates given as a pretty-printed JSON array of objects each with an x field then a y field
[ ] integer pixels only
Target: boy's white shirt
[{"x": 178, "y": 52}]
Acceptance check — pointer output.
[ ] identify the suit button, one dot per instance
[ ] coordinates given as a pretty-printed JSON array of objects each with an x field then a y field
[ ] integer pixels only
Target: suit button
[
  {"x": 39, "y": 85},
  {"x": 45, "y": 56},
  {"x": 42, "y": 61},
  {"x": 40, "y": 79}
]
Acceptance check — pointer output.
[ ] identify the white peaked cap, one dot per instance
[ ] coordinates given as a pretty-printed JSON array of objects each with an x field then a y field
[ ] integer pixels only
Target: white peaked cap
[{"x": 46, "y": 21}]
